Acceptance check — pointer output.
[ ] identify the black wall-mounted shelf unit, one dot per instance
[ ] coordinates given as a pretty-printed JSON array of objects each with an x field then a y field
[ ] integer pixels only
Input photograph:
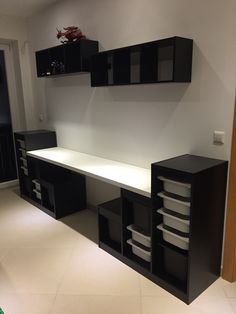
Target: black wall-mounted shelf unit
[
  {"x": 185, "y": 269},
  {"x": 160, "y": 61},
  {"x": 66, "y": 58}
]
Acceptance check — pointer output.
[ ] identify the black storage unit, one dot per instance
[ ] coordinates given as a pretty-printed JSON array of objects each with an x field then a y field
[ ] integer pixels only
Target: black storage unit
[
  {"x": 166, "y": 60},
  {"x": 27, "y": 141},
  {"x": 55, "y": 190},
  {"x": 185, "y": 235},
  {"x": 65, "y": 59}
]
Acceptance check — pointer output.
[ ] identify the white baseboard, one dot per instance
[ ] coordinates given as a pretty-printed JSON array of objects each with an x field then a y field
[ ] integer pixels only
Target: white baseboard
[{"x": 9, "y": 184}]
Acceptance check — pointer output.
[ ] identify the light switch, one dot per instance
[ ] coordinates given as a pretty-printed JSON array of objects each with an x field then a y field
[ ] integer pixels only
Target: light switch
[
  {"x": 41, "y": 117},
  {"x": 219, "y": 137}
]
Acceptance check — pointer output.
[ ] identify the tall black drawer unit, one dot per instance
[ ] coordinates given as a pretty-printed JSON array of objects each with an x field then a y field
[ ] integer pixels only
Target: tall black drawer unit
[
  {"x": 174, "y": 238},
  {"x": 27, "y": 141},
  {"x": 188, "y": 195}
]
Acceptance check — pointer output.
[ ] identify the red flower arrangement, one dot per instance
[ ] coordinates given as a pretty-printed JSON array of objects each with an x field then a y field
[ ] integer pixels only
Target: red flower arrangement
[{"x": 71, "y": 34}]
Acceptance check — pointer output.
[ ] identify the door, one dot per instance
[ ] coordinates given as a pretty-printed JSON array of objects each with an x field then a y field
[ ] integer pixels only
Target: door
[
  {"x": 7, "y": 153},
  {"x": 229, "y": 262}
]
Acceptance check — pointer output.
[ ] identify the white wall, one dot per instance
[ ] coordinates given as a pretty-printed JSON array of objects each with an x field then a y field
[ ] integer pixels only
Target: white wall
[
  {"x": 144, "y": 123},
  {"x": 13, "y": 33}
]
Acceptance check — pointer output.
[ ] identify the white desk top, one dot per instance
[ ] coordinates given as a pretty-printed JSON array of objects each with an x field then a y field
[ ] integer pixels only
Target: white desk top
[{"x": 122, "y": 175}]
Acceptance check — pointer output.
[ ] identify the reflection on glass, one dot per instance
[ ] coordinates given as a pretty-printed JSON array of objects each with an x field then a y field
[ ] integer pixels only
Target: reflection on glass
[
  {"x": 165, "y": 63},
  {"x": 110, "y": 69}
]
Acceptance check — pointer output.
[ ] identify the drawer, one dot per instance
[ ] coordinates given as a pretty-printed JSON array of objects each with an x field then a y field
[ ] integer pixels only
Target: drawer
[
  {"x": 139, "y": 236},
  {"x": 23, "y": 152},
  {"x": 37, "y": 193},
  {"x": 139, "y": 251},
  {"x": 174, "y": 222},
  {"x": 24, "y": 161},
  {"x": 25, "y": 170},
  {"x": 21, "y": 143},
  {"x": 37, "y": 185},
  {"x": 175, "y": 205},
  {"x": 168, "y": 236},
  {"x": 176, "y": 187}
]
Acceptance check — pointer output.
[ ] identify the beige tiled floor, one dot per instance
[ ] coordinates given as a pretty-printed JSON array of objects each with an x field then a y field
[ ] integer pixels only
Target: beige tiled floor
[{"x": 55, "y": 267}]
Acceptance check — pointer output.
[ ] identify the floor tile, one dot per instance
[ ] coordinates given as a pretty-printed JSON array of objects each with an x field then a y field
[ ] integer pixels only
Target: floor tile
[
  {"x": 230, "y": 289},
  {"x": 232, "y": 302},
  {"x": 26, "y": 304},
  {"x": 148, "y": 288},
  {"x": 93, "y": 271},
  {"x": 96, "y": 305},
  {"x": 3, "y": 252},
  {"x": 160, "y": 305},
  {"x": 28, "y": 227},
  {"x": 215, "y": 290},
  {"x": 33, "y": 270},
  {"x": 212, "y": 305}
]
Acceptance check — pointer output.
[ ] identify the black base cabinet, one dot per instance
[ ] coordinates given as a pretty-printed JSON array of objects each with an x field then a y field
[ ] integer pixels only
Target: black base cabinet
[
  {"x": 175, "y": 237},
  {"x": 55, "y": 190}
]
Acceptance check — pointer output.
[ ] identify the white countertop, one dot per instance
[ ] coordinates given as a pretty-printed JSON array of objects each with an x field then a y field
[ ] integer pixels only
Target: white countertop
[{"x": 123, "y": 175}]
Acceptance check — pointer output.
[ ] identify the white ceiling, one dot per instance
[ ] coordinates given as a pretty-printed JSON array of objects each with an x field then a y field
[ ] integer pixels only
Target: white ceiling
[{"x": 23, "y": 8}]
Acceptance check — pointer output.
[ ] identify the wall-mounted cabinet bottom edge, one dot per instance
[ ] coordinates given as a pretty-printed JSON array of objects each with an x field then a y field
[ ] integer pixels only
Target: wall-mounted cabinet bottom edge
[{"x": 146, "y": 273}]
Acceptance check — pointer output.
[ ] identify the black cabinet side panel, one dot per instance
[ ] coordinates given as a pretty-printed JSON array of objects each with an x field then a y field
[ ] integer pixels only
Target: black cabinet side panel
[
  {"x": 183, "y": 60},
  {"x": 206, "y": 228}
]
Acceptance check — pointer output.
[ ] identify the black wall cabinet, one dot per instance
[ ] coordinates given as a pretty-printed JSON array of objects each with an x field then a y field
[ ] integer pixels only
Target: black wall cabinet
[
  {"x": 67, "y": 58},
  {"x": 175, "y": 237},
  {"x": 166, "y": 60}
]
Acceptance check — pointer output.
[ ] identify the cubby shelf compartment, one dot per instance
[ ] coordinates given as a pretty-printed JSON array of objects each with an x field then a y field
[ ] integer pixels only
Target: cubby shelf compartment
[
  {"x": 65, "y": 59},
  {"x": 165, "y": 60},
  {"x": 110, "y": 224}
]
